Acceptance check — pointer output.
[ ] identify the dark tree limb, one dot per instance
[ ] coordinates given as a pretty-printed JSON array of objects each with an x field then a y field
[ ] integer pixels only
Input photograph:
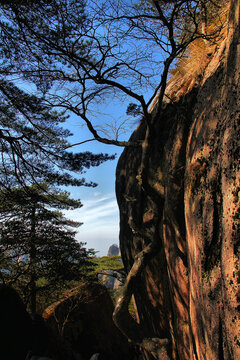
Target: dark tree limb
[
  {"x": 121, "y": 316},
  {"x": 118, "y": 275}
]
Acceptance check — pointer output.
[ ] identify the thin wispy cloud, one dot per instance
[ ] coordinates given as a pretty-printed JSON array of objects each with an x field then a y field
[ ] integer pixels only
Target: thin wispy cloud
[
  {"x": 94, "y": 209},
  {"x": 98, "y": 212},
  {"x": 100, "y": 221}
]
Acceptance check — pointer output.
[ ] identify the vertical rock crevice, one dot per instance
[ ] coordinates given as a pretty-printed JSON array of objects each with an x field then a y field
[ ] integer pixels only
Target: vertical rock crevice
[{"x": 189, "y": 292}]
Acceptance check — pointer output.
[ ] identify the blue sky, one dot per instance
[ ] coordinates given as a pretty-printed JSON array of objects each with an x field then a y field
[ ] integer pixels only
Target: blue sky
[
  {"x": 100, "y": 220},
  {"x": 99, "y": 214}
]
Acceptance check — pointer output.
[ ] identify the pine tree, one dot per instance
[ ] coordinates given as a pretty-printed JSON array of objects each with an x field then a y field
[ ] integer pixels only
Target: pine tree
[
  {"x": 81, "y": 54},
  {"x": 32, "y": 144},
  {"x": 33, "y": 141},
  {"x": 39, "y": 252}
]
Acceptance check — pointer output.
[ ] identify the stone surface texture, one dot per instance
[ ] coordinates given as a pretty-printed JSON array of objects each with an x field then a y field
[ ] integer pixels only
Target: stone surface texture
[
  {"x": 83, "y": 321},
  {"x": 190, "y": 292}
]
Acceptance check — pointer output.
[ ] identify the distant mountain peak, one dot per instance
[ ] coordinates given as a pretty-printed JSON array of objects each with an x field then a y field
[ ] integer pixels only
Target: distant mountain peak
[{"x": 113, "y": 250}]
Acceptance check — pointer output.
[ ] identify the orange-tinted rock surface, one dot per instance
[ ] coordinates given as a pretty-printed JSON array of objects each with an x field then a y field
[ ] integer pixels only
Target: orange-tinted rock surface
[{"x": 190, "y": 292}]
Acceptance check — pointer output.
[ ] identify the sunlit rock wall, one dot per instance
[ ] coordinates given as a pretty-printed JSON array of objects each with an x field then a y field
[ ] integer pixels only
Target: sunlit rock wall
[{"x": 190, "y": 292}]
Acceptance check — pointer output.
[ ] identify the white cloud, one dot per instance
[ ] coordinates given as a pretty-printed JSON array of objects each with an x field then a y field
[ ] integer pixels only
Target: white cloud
[
  {"x": 96, "y": 213},
  {"x": 95, "y": 209},
  {"x": 100, "y": 222}
]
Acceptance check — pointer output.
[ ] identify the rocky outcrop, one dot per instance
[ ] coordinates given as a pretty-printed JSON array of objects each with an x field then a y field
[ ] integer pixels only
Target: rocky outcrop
[
  {"x": 83, "y": 323},
  {"x": 112, "y": 279},
  {"x": 113, "y": 250},
  {"x": 190, "y": 291}
]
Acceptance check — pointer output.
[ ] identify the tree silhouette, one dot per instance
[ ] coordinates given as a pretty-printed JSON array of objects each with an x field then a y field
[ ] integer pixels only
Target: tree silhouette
[{"x": 39, "y": 252}]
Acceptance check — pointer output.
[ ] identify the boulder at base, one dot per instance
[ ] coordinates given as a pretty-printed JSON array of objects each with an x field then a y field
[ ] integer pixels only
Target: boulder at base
[{"x": 84, "y": 320}]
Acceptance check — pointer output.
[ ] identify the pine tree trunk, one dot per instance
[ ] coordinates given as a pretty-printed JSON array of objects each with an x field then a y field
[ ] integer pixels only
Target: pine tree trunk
[{"x": 33, "y": 255}]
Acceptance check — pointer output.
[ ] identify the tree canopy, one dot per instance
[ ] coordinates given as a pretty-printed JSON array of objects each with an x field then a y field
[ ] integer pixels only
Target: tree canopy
[
  {"x": 38, "y": 249},
  {"x": 33, "y": 139},
  {"x": 33, "y": 145},
  {"x": 80, "y": 54}
]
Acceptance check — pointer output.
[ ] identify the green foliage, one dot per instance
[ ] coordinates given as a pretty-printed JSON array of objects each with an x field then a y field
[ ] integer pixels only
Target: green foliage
[
  {"x": 33, "y": 141},
  {"x": 134, "y": 110},
  {"x": 33, "y": 145},
  {"x": 107, "y": 263},
  {"x": 80, "y": 54},
  {"x": 38, "y": 251},
  {"x": 110, "y": 267}
]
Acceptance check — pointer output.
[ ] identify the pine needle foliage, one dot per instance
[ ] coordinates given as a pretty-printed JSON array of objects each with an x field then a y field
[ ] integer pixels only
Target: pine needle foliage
[{"x": 39, "y": 254}]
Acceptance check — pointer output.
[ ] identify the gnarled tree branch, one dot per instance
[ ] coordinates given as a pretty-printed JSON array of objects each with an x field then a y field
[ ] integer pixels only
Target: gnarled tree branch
[{"x": 121, "y": 316}]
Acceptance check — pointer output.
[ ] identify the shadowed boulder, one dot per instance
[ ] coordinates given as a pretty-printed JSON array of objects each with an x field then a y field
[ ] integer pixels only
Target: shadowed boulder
[
  {"x": 84, "y": 320},
  {"x": 15, "y": 325}
]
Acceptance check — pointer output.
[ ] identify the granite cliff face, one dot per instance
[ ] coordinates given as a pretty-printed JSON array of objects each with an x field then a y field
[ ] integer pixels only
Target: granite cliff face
[{"x": 190, "y": 291}]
